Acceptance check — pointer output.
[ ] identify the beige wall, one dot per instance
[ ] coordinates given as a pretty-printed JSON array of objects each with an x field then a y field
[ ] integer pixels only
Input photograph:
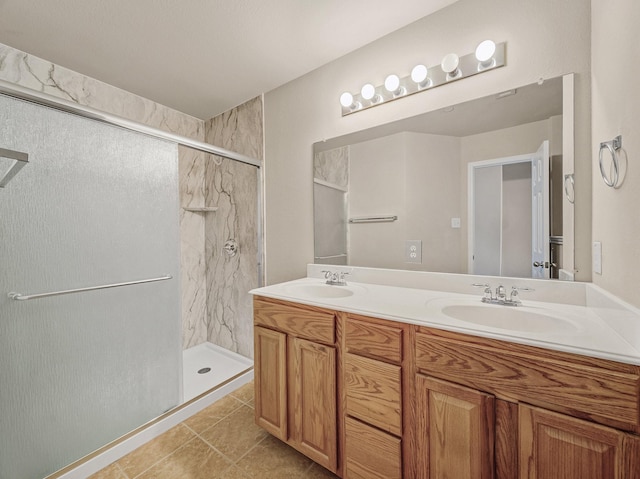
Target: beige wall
[
  {"x": 414, "y": 177},
  {"x": 616, "y": 111},
  {"x": 545, "y": 38},
  {"x": 433, "y": 198},
  {"x": 376, "y": 187}
]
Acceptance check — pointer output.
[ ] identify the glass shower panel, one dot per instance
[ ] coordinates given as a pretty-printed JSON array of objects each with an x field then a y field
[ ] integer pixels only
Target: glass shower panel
[
  {"x": 330, "y": 225},
  {"x": 94, "y": 205}
]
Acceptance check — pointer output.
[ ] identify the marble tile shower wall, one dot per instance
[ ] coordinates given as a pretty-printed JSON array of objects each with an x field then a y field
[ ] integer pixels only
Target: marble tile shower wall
[
  {"x": 332, "y": 166},
  {"x": 233, "y": 188},
  {"x": 37, "y": 74}
]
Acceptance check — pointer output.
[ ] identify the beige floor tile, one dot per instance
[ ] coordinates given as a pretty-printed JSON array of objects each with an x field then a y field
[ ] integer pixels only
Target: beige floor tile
[
  {"x": 244, "y": 393},
  {"x": 194, "y": 460},
  {"x": 213, "y": 414},
  {"x": 234, "y": 472},
  {"x": 274, "y": 460},
  {"x": 319, "y": 472},
  {"x": 235, "y": 434},
  {"x": 110, "y": 472},
  {"x": 147, "y": 455},
  {"x": 227, "y": 433}
]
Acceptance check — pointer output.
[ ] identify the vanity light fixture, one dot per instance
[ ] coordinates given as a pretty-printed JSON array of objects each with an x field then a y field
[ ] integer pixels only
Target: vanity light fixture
[{"x": 487, "y": 56}]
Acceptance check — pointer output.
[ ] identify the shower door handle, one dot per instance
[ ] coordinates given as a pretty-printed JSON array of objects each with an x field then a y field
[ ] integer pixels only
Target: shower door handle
[{"x": 20, "y": 159}]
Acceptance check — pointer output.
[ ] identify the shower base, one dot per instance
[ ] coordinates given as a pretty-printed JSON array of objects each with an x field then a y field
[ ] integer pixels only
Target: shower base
[
  {"x": 207, "y": 365},
  {"x": 229, "y": 371}
]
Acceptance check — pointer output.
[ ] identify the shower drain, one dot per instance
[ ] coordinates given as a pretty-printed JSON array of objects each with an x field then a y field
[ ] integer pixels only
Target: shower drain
[{"x": 204, "y": 370}]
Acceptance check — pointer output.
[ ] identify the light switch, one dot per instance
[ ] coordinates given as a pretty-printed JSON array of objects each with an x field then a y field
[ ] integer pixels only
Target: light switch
[
  {"x": 455, "y": 222},
  {"x": 413, "y": 251},
  {"x": 597, "y": 257}
]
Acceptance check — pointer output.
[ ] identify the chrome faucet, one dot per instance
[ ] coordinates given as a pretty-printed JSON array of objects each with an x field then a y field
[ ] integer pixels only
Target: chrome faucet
[
  {"x": 335, "y": 278},
  {"x": 501, "y": 294}
]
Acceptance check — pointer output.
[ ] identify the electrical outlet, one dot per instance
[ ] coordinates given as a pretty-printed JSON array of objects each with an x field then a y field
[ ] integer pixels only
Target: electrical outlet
[
  {"x": 413, "y": 251},
  {"x": 597, "y": 257}
]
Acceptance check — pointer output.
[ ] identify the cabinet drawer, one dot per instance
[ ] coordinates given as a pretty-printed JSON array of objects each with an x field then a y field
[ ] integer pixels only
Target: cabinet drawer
[
  {"x": 602, "y": 391},
  {"x": 301, "y": 321},
  {"x": 363, "y": 336},
  {"x": 373, "y": 392},
  {"x": 370, "y": 453}
]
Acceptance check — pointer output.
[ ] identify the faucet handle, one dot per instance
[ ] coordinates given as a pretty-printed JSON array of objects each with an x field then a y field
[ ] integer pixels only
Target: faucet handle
[
  {"x": 488, "y": 294},
  {"x": 327, "y": 274}
]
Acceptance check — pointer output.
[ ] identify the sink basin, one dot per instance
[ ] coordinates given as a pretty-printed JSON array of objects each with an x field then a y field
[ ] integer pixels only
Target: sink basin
[
  {"x": 320, "y": 290},
  {"x": 511, "y": 318}
]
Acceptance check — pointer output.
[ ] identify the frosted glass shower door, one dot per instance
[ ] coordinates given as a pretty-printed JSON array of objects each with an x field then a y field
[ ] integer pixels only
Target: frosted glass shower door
[
  {"x": 95, "y": 205},
  {"x": 330, "y": 225}
]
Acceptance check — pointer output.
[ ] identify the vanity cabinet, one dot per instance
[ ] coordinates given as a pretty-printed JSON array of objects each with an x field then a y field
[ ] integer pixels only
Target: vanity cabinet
[
  {"x": 295, "y": 372},
  {"x": 489, "y": 408},
  {"x": 369, "y": 398}
]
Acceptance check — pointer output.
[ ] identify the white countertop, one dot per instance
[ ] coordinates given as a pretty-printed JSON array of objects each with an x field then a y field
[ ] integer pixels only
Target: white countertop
[{"x": 605, "y": 330}]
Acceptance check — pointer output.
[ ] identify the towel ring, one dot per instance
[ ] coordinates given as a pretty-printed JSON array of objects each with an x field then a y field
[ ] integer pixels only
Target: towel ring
[
  {"x": 613, "y": 146},
  {"x": 571, "y": 196}
]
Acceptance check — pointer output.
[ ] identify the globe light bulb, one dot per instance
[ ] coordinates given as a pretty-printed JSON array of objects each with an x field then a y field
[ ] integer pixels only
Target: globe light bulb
[
  {"x": 485, "y": 51},
  {"x": 346, "y": 99},
  {"x": 392, "y": 83},
  {"x": 450, "y": 63},
  {"x": 419, "y": 74},
  {"x": 368, "y": 91}
]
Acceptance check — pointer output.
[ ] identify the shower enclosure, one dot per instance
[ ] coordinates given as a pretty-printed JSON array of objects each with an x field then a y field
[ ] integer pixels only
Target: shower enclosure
[{"x": 90, "y": 328}]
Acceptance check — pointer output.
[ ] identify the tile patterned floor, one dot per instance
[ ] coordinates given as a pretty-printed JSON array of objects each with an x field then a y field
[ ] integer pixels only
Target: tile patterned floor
[{"x": 220, "y": 442}]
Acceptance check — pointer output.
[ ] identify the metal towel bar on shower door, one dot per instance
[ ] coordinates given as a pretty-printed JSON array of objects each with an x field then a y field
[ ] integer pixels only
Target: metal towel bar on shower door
[
  {"x": 19, "y": 160},
  {"x": 22, "y": 297}
]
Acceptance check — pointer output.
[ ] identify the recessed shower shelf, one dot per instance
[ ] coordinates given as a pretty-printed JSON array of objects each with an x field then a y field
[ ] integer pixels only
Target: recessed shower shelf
[{"x": 201, "y": 209}]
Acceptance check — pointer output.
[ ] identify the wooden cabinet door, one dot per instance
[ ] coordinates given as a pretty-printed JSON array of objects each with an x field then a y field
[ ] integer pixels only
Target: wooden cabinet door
[
  {"x": 270, "y": 381},
  {"x": 555, "y": 446},
  {"x": 312, "y": 401},
  {"x": 455, "y": 431}
]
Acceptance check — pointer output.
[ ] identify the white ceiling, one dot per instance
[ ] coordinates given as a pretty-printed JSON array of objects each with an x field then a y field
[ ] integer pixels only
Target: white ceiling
[{"x": 201, "y": 57}]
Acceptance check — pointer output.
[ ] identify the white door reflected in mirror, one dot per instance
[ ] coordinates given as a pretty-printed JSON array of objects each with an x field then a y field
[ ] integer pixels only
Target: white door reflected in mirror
[{"x": 509, "y": 215}]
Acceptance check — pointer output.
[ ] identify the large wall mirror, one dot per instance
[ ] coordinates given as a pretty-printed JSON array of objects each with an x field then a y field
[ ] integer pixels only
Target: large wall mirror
[{"x": 480, "y": 187}]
